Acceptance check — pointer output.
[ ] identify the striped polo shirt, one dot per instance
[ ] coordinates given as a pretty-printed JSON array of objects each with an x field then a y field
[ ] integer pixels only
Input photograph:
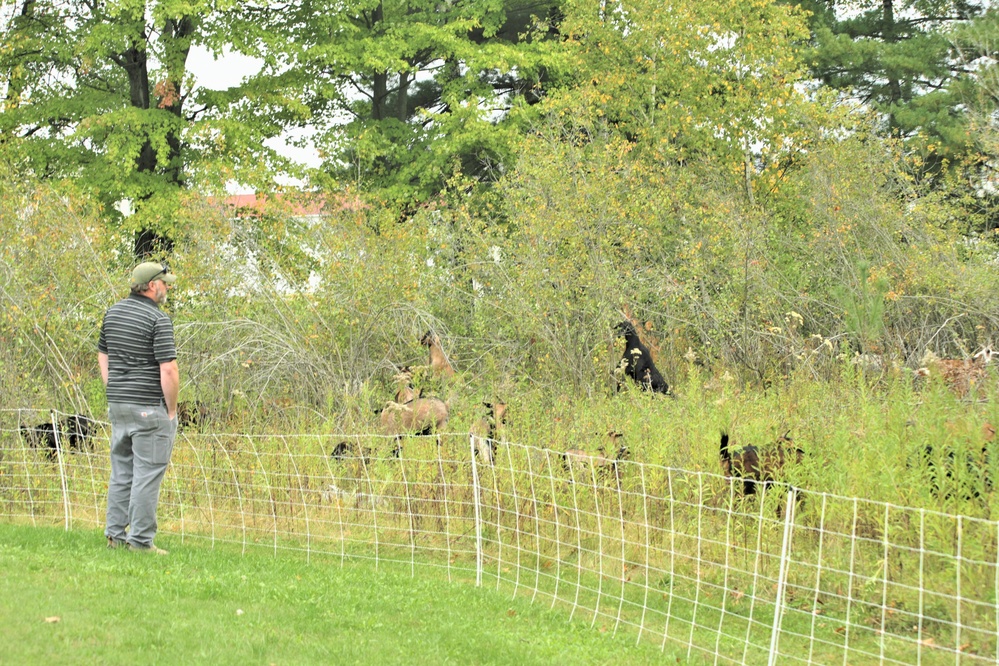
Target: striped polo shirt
[{"x": 137, "y": 336}]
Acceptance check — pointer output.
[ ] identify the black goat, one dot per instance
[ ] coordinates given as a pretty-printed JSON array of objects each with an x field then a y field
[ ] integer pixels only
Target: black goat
[
  {"x": 344, "y": 451},
  {"x": 637, "y": 361},
  {"x": 71, "y": 433},
  {"x": 41, "y": 436},
  {"x": 79, "y": 429},
  {"x": 755, "y": 466}
]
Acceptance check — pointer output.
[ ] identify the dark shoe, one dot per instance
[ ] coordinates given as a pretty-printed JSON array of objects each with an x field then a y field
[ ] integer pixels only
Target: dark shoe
[
  {"x": 153, "y": 550},
  {"x": 114, "y": 543}
]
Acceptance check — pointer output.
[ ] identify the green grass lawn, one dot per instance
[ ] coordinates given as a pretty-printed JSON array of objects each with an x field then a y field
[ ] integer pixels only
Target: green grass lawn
[{"x": 215, "y": 606}]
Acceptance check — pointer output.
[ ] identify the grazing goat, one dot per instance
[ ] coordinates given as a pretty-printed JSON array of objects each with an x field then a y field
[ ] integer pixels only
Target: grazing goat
[
  {"x": 351, "y": 450},
  {"x": 78, "y": 429},
  {"x": 754, "y": 466},
  {"x": 420, "y": 416},
  {"x": 577, "y": 460},
  {"x": 406, "y": 392},
  {"x": 438, "y": 360},
  {"x": 962, "y": 376},
  {"x": 192, "y": 414},
  {"x": 637, "y": 361},
  {"x": 75, "y": 430},
  {"x": 486, "y": 429},
  {"x": 41, "y": 436},
  {"x": 603, "y": 464},
  {"x": 967, "y": 480}
]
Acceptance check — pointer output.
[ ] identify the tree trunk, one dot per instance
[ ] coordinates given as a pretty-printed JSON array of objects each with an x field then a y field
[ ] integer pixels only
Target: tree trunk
[
  {"x": 379, "y": 87},
  {"x": 403, "y": 100},
  {"x": 177, "y": 45},
  {"x": 15, "y": 80},
  {"x": 176, "y": 35}
]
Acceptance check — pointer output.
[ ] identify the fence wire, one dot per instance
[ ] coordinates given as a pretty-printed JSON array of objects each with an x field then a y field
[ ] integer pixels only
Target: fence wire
[{"x": 670, "y": 555}]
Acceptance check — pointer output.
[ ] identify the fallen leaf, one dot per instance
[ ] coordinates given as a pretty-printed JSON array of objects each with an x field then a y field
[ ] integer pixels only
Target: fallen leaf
[
  {"x": 511, "y": 613},
  {"x": 927, "y": 641},
  {"x": 53, "y": 619}
]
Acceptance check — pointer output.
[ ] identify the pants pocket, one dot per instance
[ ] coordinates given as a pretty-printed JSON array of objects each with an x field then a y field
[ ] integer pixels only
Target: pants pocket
[{"x": 163, "y": 439}]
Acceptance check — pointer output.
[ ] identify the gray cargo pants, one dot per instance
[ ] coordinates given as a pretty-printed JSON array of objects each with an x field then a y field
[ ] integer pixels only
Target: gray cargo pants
[{"x": 141, "y": 443}]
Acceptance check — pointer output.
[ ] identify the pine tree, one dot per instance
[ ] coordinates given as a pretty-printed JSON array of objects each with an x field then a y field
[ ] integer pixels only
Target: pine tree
[{"x": 897, "y": 58}]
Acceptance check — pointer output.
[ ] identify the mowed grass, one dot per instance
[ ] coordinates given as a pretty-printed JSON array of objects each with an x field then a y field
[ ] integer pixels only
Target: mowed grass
[{"x": 65, "y": 599}]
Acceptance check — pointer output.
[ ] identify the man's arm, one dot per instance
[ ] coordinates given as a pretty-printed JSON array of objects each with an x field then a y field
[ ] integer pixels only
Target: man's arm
[
  {"x": 102, "y": 361},
  {"x": 170, "y": 382}
]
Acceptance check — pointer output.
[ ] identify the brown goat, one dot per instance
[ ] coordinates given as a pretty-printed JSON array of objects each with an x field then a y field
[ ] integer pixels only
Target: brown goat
[
  {"x": 755, "y": 466},
  {"x": 575, "y": 460},
  {"x": 193, "y": 414},
  {"x": 421, "y": 416},
  {"x": 406, "y": 392},
  {"x": 603, "y": 464},
  {"x": 486, "y": 429},
  {"x": 962, "y": 376},
  {"x": 438, "y": 360},
  {"x": 578, "y": 460}
]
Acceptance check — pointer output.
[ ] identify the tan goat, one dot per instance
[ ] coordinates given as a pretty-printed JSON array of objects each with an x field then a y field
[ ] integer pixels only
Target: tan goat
[
  {"x": 406, "y": 392},
  {"x": 577, "y": 461},
  {"x": 438, "y": 359},
  {"x": 963, "y": 376},
  {"x": 486, "y": 430},
  {"x": 421, "y": 416}
]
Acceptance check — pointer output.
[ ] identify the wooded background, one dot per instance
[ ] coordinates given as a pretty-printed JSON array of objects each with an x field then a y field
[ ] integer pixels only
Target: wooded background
[{"x": 770, "y": 189}]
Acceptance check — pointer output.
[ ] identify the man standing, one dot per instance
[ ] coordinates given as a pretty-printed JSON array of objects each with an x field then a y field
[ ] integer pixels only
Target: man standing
[{"x": 138, "y": 360}]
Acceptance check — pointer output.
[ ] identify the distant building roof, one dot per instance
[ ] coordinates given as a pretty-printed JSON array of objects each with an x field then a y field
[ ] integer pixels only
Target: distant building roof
[{"x": 306, "y": 205}]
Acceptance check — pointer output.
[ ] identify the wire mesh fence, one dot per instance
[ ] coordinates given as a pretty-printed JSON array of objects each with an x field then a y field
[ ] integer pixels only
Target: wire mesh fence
[{"x": 671, "y": 555}]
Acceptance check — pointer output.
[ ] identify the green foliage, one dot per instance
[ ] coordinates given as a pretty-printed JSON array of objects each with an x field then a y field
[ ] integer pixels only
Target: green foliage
[
  {"x": 864, "y": 305},
  {"x": 743, "y": 226},
  {"x": 403, "y": 96},
  {"x": 688, "y": 80},
  {"x": 901, "y": 58},
  {"x": 57, "y": 272},
  {"x": 101, "y": 94}
]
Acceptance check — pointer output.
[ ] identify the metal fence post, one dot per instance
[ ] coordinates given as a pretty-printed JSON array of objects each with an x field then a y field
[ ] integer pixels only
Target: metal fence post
[
  {"x": 785, "y": 556},
  {"x": 67, "y": 511}
]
